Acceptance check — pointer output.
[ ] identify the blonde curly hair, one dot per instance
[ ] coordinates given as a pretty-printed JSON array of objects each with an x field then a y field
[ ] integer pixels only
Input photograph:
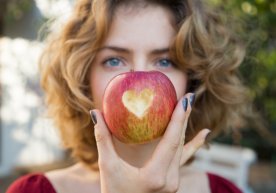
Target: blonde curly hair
[{"x": 203, "y": 47}]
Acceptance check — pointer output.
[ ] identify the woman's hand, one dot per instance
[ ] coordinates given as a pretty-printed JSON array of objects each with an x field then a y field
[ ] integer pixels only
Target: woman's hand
[{"x": 161, "y": 172}]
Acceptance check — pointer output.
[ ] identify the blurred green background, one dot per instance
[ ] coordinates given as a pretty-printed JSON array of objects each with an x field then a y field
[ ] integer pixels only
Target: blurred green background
[
  {"x": 257, "y": 19},
  {"x": 256, "y": 23}
]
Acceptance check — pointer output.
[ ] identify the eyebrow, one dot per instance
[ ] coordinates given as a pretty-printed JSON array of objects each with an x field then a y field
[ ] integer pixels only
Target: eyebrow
[{"x": 125, "y": 50}]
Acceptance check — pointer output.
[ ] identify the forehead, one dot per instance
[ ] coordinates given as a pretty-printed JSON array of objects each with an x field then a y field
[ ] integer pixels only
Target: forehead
[
  {"x": 131, "y": 8},
  {"x": 149, "y": 25}
]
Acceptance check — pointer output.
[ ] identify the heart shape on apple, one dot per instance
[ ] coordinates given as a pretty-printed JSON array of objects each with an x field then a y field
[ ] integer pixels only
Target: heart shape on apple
[{"x": 137, "y": 106}]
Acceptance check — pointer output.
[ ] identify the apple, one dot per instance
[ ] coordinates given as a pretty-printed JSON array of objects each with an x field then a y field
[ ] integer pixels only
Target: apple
[{"x": 137, "y": 105}]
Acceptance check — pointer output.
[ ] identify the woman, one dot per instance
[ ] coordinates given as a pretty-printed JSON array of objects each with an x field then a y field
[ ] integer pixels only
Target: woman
[{"x": 181, "y": 38}]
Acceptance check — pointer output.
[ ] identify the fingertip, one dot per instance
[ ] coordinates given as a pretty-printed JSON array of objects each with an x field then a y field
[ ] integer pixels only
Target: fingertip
[
  {"x": 200, "y": 138},
  {"x": 179, "y": 111},
  {"x": 192, "y": 99},
  {"x": 187, "y": 101},
  {"x": 207, "y": 136},
  {"x": 101, "y": 132},
  {"x": 205, "y": 133},
  {"x": 99, "y": 122},
  {"x": 93, "y": 116},
  {"x": 102, "y": 136}
]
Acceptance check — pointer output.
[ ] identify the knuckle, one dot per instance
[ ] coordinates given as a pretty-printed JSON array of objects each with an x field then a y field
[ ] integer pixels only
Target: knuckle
[
  {"x": 173, "y": 186},
  {"x": 173, "y": 142},
  {"x": 156, "y": 183},
  {"x": 174, "y": 145}
]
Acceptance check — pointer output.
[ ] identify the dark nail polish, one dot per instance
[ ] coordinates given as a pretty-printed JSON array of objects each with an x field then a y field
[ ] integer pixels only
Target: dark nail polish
[
  {"x": 192, "y": 99},
  {"x": 93, "y": 117},
  {"x": 185, "y": 104}
]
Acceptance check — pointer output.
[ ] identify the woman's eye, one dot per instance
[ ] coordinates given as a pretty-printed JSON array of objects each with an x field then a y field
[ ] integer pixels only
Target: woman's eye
[
  {"x": 113, "y": 62},
  {"x": 165, "y": 63}
]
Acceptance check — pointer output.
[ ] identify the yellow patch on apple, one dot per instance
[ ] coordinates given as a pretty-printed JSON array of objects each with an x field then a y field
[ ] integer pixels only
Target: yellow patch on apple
[{"x": 138, "y": 103}]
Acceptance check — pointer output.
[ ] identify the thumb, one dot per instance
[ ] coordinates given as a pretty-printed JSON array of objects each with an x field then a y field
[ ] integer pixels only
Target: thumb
[
  {"x": 191, "y": 147},
  {"x": 103, "y": 137}
]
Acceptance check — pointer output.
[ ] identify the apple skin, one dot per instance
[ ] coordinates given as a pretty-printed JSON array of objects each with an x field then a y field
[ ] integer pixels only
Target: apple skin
[{"x": 137, "y": 106}]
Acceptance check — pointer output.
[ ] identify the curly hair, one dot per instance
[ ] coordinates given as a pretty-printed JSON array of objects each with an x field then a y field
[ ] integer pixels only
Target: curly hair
[{"x": 203, "y": 47}]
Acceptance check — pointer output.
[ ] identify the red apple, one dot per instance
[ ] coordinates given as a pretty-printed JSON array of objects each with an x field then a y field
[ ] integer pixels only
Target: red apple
[{"x": 137, "y": 106}]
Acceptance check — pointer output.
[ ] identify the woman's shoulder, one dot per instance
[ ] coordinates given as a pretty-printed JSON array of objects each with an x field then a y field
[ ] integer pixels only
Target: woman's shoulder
[
  {"x": 76, "y": 178},
  {"x": 31, "y": 183},
  {"x": 219, "y": 184}
]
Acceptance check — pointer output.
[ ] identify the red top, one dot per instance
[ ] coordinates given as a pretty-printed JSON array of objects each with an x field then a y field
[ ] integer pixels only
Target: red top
[{"x": 38, "y": 183}]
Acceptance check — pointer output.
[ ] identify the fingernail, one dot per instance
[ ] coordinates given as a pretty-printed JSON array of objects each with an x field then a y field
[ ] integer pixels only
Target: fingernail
[
  {"x": 93, "y": 117},
  {"x": 192, "y": 99},
  {"x": 207, "y": 135},
  {"x": 185, "y": 104}
]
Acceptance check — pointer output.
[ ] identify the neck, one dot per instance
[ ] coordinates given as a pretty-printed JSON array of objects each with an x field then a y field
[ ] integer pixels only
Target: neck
[{"x": 135, "y": 154}]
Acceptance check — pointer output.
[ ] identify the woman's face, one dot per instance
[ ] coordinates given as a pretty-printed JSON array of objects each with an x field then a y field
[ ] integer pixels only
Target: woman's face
[{"x": 138, "y": 40}]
